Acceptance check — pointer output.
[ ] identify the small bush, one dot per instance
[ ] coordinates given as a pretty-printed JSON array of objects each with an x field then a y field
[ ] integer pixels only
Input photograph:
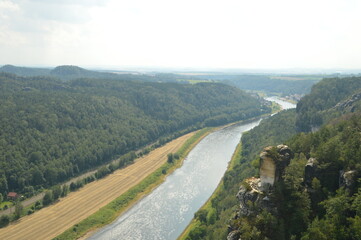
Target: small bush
[
  {"x": 48, "y": 198},
  {"x": 170, "y": 158},
  {"x": 197, "y": 233},
  {"x": 201, "y": 215},
  {"x": 4, "y": 220}
]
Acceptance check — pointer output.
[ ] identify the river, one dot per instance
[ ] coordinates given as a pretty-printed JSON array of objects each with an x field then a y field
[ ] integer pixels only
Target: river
[{"x": 167, "y": 211}]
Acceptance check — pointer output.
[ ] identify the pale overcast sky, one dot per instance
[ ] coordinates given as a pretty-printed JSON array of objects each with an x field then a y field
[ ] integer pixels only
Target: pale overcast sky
[{"x": 182, "y": 33}]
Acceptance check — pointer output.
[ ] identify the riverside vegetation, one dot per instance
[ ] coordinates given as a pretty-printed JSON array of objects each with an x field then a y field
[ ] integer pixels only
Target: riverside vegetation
[{"x": 318, "y": 196}]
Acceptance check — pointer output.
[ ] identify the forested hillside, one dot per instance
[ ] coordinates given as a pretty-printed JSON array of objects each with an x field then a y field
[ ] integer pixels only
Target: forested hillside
[
  {"x": 52, "y": 130},
  {"x": 319, "y": 195},
  {"x": 24, "y": 71},
  {"x": 271, "y": 131},
  {"x": 314, "y": 109}
]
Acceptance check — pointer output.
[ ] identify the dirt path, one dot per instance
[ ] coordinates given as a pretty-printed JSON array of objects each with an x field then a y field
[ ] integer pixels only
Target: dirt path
[{"x": 53, "y": 220}]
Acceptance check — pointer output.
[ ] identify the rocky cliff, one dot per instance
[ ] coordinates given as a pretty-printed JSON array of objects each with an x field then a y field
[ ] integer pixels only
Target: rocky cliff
[{"x": 255, "y": 193}]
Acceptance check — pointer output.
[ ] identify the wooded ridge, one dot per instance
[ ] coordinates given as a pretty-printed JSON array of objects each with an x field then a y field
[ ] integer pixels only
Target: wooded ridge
[{"x": 52, "y": 130}]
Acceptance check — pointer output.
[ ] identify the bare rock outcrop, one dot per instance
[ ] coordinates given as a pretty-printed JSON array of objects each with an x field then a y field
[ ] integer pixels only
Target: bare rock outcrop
[
  {"x": 348, "y": 105},
  {"x": 234, "y": 235},
  {"x": 310, "y": 172},
  {"x": 348, "y": 180},
  {"x": 273, "y": 163},
  {"x": 254, "y": 193}
]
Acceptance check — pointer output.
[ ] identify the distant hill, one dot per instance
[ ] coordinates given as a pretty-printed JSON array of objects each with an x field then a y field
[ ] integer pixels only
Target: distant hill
[
  {"x": 25, "y": 71},
  {"x": 68, "y": 72}
]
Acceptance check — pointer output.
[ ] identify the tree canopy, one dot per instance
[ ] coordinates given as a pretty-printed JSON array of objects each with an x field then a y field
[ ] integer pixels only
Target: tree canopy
[{"x": 51, "y": 130}]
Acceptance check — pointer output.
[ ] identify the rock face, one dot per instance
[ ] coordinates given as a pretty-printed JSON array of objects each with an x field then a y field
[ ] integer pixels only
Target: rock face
[
  {"x": 234, "y": 235},
  {"x": 249, "y": 193},
  {"x": 254, "y": 193},
  {"x": 348, "y": 179},
  {"x": 349, "y": 104},
  {"x": 273, "y": 163},
  {"x": 267, "y": 169}
]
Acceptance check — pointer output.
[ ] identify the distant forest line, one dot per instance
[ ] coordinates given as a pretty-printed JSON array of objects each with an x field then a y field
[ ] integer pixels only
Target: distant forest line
[{"x": 281, "y": 84}]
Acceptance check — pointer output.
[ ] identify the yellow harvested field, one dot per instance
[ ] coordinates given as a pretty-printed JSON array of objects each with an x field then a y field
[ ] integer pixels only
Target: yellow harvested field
[{"x": 55, "y": 219}]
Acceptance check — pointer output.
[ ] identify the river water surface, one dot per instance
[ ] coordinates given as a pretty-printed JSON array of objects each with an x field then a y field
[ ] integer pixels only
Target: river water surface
[{"x": 167, "y": 211}]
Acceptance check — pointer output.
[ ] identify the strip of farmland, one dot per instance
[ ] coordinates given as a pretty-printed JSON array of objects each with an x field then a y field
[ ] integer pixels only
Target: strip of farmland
[{"x": 53, "y": 220}]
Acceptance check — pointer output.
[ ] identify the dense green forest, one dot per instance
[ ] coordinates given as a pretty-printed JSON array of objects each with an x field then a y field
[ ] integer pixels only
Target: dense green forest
[
  {"x": 271, "y": 131},
  {"x": 326, "y": 207},
  {"x": 24, "y": 71},
  {"x": 52, "y": 130},
  {"x": 319, "y": 194},
  {"x": 318, "y": 107}
]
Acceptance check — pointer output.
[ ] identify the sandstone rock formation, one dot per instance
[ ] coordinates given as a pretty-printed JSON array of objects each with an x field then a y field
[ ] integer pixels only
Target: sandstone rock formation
[
  {"x": 310, "y": 171},
  {"x": 234, "y": 235},
  {"x": 273, "y": 162},
  {"x": 254, "y": 193},
  {"x": 348, "y": 180},
  {"x": 348, "y": 105}
]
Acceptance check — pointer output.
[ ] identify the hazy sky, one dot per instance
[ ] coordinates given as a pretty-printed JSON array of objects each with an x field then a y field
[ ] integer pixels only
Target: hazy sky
[{"x": 182, "y": 33}]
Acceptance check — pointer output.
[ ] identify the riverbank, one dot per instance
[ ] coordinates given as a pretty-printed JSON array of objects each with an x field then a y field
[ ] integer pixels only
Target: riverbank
[
  {"x": 110, "y": 212},
  {"x": 211, "y": 219},
  {"x": 55, "y": 219},
  {"x": 207, "y": 207},
  {"x": 166, "y": 211},
  {"x": 141, "y": 215}
]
